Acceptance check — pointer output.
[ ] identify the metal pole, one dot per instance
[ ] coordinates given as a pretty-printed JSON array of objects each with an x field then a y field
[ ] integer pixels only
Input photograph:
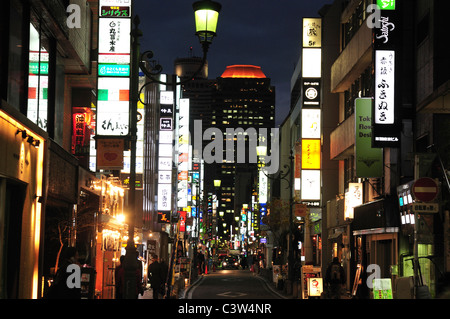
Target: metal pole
[
  {"x": 291, "y": 204},
  {"x": 130, "y": 266}
]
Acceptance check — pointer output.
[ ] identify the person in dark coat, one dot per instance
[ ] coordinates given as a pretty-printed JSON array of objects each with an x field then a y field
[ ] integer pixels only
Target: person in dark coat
[
  {"x": 335, "y": 278},
  {"x": 60, "y": 288},
  {"x": 156, "y": 276},
  {"x": 118, "y": 276}
]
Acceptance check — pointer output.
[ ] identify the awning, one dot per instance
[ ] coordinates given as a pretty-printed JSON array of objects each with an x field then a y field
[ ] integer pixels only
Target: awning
[
  {"x": 376, "y": 215},
  {"x": 336, "y": 233}
]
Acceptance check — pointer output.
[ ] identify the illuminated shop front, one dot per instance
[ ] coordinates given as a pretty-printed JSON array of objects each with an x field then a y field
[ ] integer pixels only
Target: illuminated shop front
[{"x": 21, "y": 204}]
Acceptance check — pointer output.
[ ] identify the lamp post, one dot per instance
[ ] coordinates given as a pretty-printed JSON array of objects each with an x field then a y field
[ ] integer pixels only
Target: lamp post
[
  {"x": 206, "y": 18},
  {"x": 261, "y": 151}
]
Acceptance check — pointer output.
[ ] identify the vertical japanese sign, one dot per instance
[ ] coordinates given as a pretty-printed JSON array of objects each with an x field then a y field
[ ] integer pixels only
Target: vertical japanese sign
[
  {"x": 386, "y": 130},
  {"x": 183, "y": 154},
  {"x": 165, "y": 157},
  {"x": 114, "y": 52},
  {"x": 311, "y": 148}
]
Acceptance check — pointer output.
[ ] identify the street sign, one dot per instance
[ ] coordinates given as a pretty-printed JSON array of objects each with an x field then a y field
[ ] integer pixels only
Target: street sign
[
  {"x": 425, "y": 207},
  {"x": 425, "y": 189}
]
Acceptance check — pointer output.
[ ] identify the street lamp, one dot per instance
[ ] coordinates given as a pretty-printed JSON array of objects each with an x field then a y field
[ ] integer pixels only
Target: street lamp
[
  {"x": 288, "y": 177},
  {"x": 206, "y": 18}
]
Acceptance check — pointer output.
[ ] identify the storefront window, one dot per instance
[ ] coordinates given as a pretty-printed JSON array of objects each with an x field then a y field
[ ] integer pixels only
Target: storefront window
[
  {"x": 16, "y": 77},
  {"x": 37, "y": 80}
]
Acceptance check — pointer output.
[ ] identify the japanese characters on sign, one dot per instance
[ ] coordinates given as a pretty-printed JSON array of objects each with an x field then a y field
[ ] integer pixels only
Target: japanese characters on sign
[
  {"x": 165, "y": 157},
  {"x": 386, "y": 127},
  {"x": 384, "y": 86},
  {"x": 309, "y": 181}
]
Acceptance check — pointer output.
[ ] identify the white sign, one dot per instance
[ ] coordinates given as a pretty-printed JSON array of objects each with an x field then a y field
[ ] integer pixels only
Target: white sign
[
  {"x": 353, "y": 198},
  {"x": 114, "y": 40},
  {"x": 262, "y": 187},
  {"x": 113, "y": 106},
  {"x": 164, "y": 197},
  {"x": 310, "y": 188},
  {"x": 311, "y": 123},
  {"x": 384, "y": 86},
  {"x": 311, "y": 63}
]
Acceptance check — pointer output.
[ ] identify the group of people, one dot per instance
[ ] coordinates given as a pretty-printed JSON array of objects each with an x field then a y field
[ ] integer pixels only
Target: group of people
[{"x": 157, "y": 274}]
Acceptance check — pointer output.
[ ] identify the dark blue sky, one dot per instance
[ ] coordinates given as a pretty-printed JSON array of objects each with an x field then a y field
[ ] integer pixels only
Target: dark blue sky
[{"x": 266, "y": 33}]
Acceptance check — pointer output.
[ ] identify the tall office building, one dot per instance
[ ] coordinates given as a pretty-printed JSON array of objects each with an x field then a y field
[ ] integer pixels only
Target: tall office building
[{"x": 244, "y": 99}]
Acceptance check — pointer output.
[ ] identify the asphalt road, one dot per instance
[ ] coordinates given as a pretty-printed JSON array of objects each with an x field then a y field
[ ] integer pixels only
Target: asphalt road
[{"x": 232, "y": 284}]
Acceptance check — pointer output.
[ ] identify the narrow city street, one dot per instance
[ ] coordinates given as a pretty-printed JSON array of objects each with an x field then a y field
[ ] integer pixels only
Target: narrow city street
[{"x": 232, "y": 284}]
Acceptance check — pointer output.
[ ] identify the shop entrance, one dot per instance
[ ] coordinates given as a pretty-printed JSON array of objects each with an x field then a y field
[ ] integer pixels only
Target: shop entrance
[{"x": 12, "y": 196}]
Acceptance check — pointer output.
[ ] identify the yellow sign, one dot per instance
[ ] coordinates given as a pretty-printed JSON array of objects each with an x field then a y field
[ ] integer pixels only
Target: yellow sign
[{"x": 310, "y": 154}]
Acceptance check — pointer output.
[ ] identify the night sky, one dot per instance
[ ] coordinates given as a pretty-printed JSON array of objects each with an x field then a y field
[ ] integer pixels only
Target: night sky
[{"x": 266, "y": 33}]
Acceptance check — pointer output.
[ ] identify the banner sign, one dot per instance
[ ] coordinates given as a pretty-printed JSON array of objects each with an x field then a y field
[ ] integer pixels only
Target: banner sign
[
  {"x": 368, "y": 159},
  {"x": 386, "y": 125}
]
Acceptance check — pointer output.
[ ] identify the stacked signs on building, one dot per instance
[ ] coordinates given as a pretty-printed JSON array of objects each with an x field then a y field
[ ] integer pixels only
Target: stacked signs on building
[
  {"x": 165, "y": 156},
  {"x": 386, "y": 126},
  {"x": 184, "y": 158},
  {"x": 113, "y": 85},
  {"x": 310, "y": 177}
]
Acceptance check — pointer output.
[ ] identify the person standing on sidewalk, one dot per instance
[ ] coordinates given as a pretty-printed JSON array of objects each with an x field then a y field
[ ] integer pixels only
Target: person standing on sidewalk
[
  {"x": 156, "y": 276},
  {"x": 335, "y": 279}
]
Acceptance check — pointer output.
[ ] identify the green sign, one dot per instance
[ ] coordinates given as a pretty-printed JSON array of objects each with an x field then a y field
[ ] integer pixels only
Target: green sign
[
  {"x": 34, "y": 68},
  {"x": 382, "y": 288},
  {"x": 386, "y": 4},
  {"x": 113, "y": 70},
  {"x": 368, "y": 160}
]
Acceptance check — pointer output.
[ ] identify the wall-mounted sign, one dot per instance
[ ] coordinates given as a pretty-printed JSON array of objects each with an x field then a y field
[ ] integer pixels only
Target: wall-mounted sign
[
  {"x": 114, "y": 40},
  {"x": 311, "y": 63},
  {"x": 110, "y": 154},
  {"x": 310, "y": 185},
  {"x": 114, "y": 70},
  {"x": 113, "y": 106},
  {"x": 312, "y": 32},
  {"x": 310, "y": 154},
  {"x": 386, "y": 4},
  {"x": 165, "y": 156},
  {"x": 368, "y": 159},
  {"x": 311, "y": 127},
  {"x": 311, "y": 92},
  {"x": 353, "y": 198},
  {"x": 386, "y": 126}
]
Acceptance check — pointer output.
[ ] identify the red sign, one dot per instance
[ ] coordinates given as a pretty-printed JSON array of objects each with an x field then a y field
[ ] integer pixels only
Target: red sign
[{"x": 425, "y": 189}]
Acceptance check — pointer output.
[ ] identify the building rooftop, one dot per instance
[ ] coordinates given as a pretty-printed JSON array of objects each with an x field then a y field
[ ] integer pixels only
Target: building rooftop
[{"x": 243, "y": 71}]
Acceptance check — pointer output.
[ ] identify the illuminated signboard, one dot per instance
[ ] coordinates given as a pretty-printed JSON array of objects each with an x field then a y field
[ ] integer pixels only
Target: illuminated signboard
[
  {"x": 386, "y": 4},
  {"x": 386, "y": 126},
  {"x": 310, "y": 185},
  {"x": 311, "y": 63},
  {"x": 384, "y": 86},
  {"x": 312, "y": 32},
  {"x": 353, "y": 198},
  {"x": 310, "y": 154},
  {"x": 165, "y": 159},
  {"x": 114, "y": 70},
  {"x": 311, "y": 127},
  {"x": 311, "y": 92},
  {"x": 114, "y": 40},
  {"x": 113, "y": 106},
  {"x": 183, "y": 153},
  {"x": 263, "y": 187},
  {"x": 309, "y": 182}
]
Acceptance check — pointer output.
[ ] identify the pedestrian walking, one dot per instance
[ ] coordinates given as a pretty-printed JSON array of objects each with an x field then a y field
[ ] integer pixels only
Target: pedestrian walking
[
  {"x": 335, "y": 279},
  {"x": 118, "y": 278},
  {"x": 60, "y": 289},
  {"x": 156, "y": 276}
]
